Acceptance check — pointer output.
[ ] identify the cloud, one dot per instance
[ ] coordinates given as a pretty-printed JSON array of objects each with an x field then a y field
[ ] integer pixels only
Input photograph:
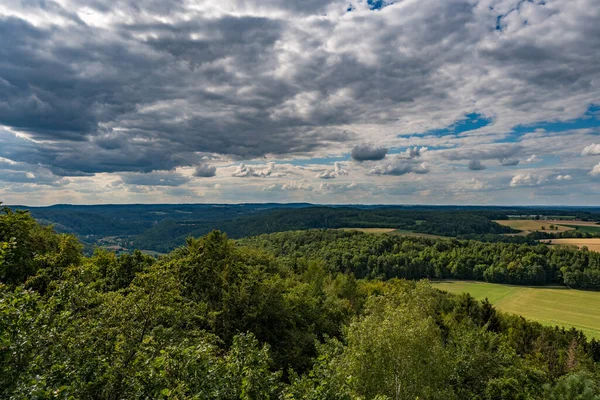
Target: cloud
[
  {"x": 181, "y": 192},
  {"x": 564, "y": 177},
  {"x": 156, "y": 178},
  {"x": 401, "y": 167},
  {"x": 475, "y": 165},
  {"x": 591, "y": 150},
  {"x": 596, "y": 170},
  {"x": 94, "y": 90},
  {"x": 404, "y": 163},
  {"x": 297, "y": 186},
  {"x": 368, "y": 152},
  {"x": 332, "y": 173},
  {"x": 413, "y": 152},
  {"x": 508, "y": 162},
  {"x": 245, "y": 171},
  {"x": 531, "y": 159},
  {"x": 473, "y": 185},
  {"x": 484, "y": 152},
  {"x": 205, "y": 171},
  {"x": 526, "y": 180}
]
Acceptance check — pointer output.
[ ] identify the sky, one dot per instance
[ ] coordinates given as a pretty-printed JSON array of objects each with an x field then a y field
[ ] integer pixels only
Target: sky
[{"x": 489, "y": 102}]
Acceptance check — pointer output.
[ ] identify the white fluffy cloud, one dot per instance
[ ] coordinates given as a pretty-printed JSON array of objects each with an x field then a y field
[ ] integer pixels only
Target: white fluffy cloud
[
  {"x": 564, "y": 177},
  {"x": 526, "y": 180},
  {"x": 245, "y": 171},
  {"x": 332, "y": 173},
  {"x": 591, "y": 150}
]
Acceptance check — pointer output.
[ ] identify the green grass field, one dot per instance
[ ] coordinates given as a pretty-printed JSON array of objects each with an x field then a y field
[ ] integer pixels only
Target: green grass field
[
  {"x": 586, "y": 228},
  {"x": 547, "y": 305}
]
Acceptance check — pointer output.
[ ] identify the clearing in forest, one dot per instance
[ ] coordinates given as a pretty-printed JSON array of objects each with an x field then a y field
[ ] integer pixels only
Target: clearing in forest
[
  {"x": 592, "y": 244},
  {"x": 548, "y": 305},
  {"x": 530, "y": 225},
  {"x": 370, "y": 230}
]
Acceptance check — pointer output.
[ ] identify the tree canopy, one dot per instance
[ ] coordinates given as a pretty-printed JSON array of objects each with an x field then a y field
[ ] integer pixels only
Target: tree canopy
[{"x": 218, "y": 319}]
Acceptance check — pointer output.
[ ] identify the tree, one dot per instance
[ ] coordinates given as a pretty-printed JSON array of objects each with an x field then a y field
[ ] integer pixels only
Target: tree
[
  {"x": 396, "y": 351},
  {"x": 577, "y": 386}
]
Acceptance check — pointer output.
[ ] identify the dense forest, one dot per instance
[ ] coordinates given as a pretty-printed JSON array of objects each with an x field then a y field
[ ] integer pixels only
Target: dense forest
[
  {"x": 163, "y": 227},
  {"x": 390, "y": 256},
  {"x": 285, "y": 316},
  {"x": 169, "y": 234}
]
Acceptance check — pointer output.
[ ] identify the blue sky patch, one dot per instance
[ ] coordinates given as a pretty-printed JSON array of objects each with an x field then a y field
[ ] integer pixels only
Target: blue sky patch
[
  {"x": 589, "y": 120},
  {"x": 471, "y": 122}
]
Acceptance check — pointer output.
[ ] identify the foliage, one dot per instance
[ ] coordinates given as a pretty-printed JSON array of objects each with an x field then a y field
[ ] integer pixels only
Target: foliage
[
  {"x": 389, "y": 256},
  {"x": 216, "y": 320}
]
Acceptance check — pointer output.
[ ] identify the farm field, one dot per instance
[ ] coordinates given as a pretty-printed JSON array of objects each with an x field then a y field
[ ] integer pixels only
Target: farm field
[
  {"x": 592, "y": 244},
  {"x": 403, "y": 232},
  {"x": 529, "y": 225},
  {"x": 580, "y": 223},
  {"x": 547, "y": 305},
  {"x": 392, "y": 231},
  {"x": 585, "y": 228},
  {"x": 370, "y": 230}
]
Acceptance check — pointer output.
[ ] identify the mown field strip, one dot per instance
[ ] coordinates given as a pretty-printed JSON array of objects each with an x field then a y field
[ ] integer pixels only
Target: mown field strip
[
  {"x": 529, "y": 225},
  {"x": 370, "y": 230},
  {"x": 547, "y": 305},
  {"x": 591, "y": 244}
]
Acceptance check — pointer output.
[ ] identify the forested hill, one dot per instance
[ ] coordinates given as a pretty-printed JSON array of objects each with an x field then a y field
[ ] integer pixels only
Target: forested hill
[
  {"x": 162, "y": 228},
  {"x": 270, "y": 318},
  {"x": 392, "y": 256},
  {"x": 169, "y": 234}
]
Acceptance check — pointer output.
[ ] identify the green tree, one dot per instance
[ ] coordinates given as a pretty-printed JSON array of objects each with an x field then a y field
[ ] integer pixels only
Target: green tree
[
  {"x": 576, "y": 386},
  {"x": 396, "y": 350}
]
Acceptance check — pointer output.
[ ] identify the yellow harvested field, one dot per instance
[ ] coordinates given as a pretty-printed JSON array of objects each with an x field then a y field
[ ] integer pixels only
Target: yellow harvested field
[
  {"x": 580, "y": 223},
  {"x": 370, "y": 230},
  {"x": 592, "y": 244},
  {"x": 529, "y": 225}
]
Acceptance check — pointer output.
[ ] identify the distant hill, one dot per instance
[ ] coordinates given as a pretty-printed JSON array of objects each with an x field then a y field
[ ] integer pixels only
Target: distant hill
[{"x": 162, "y": 227}]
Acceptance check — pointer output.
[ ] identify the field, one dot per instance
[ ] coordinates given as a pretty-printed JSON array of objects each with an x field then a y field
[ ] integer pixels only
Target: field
[
  {"x": 581, "y": 223},
  {"x": 403, "y": 232},
  {"x": 588, "y": 228},
  {"x": 547, "y": 305},
  {"x": 592, "y": 244},
  {"x": 392, "y": 231},
  {"x": 529, "y": 225},
  {"x": 378, "y": 231}
]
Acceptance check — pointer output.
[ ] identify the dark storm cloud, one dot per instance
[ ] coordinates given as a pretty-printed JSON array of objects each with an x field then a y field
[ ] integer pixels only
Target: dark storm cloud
[
  {"x": 79, "y": 91},
  {"x": 368, "y": 152},
  {"x": 40, "y": 177},
  {"x": 509, "y": 162},
  {"x": 475, "y": 165},
  {"x": 205, "y": 171}
]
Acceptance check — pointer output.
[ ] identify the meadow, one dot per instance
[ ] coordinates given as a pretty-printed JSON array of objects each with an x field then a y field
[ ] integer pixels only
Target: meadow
[
  {"x": 404, "y": 232},
  {"x": 592, "y": 244},
  {"x": 547, "y": 305},
  {"x": 378, "y": 231},
  {"x": 393, "y": 231},
  {"x": 529, "y": 225}
]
